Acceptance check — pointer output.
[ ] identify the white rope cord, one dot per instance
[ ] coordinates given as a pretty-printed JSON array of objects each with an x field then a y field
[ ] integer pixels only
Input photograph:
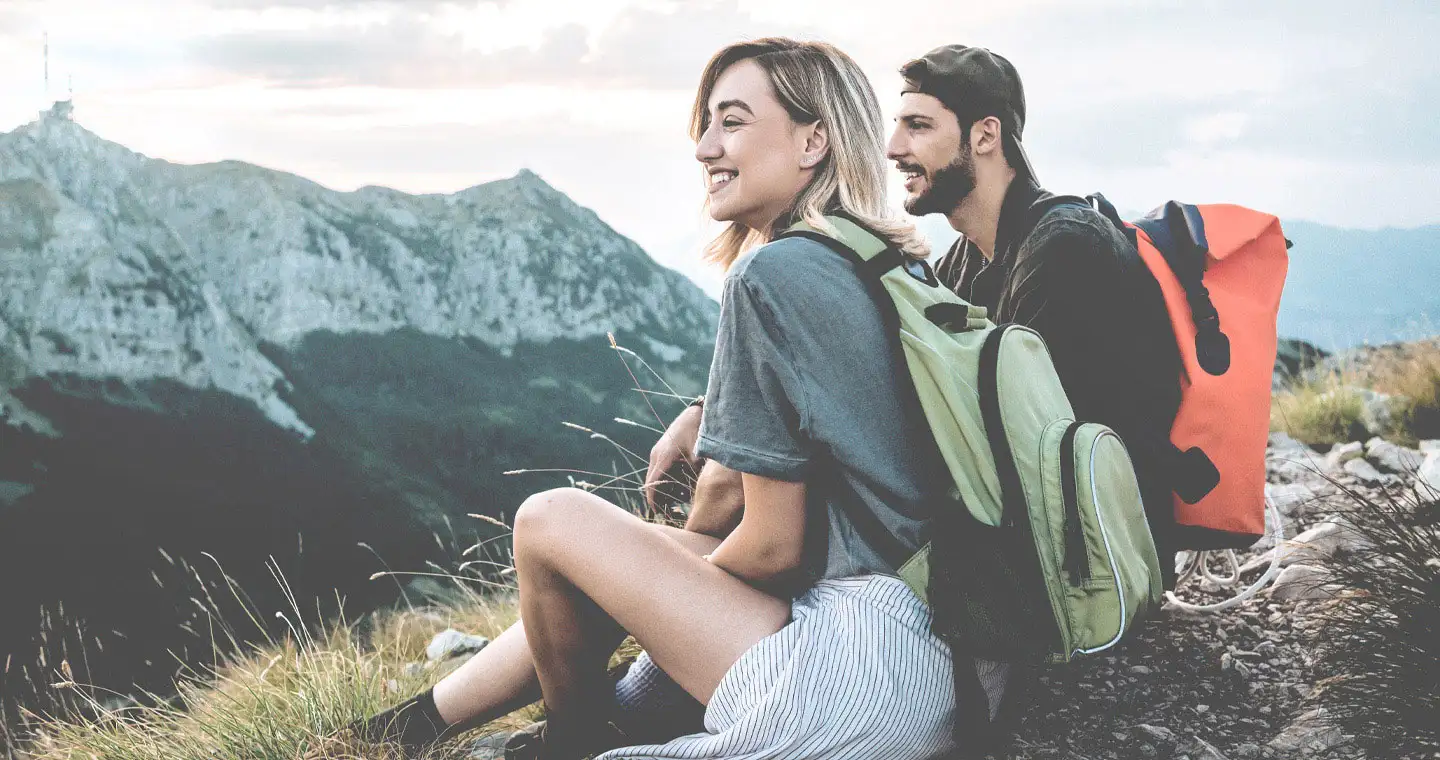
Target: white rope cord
[{"x": 1198, "y": 560}]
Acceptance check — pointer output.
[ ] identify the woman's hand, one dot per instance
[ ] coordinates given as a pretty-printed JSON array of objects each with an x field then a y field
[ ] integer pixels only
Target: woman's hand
[{"x": 675, "y": 446}]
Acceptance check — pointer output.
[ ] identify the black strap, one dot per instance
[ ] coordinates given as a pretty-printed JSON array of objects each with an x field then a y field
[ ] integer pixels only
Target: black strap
[
  {"x": 872, "y": 269},
  {"x": 1178, "y": 232},
  {"x": 949, "y": 315},
  {"x": 1010, "y": 489}
]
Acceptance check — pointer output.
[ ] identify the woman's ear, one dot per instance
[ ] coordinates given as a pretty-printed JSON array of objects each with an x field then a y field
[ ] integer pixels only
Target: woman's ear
[{"x": 817, "y": 143}]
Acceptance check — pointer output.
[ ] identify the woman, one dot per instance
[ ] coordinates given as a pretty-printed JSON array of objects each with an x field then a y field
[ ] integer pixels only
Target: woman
[{"x": 792, "y": 630}]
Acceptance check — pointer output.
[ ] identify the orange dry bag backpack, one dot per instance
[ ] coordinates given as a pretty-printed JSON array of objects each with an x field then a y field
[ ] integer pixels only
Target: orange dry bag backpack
[{"x": 1221, "y": 269}]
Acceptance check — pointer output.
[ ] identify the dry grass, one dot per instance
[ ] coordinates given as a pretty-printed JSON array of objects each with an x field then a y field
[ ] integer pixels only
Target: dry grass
[
  {"x": 282, "y": 699},
  {"x": 1329, "y": 408}
]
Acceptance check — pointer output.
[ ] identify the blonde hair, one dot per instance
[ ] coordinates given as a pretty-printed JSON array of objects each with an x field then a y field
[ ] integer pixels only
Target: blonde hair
[{"x": 815, "y": 81}]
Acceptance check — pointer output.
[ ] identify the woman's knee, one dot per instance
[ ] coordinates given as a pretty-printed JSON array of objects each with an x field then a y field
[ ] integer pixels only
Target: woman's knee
[{"x": 548, "y": 513}]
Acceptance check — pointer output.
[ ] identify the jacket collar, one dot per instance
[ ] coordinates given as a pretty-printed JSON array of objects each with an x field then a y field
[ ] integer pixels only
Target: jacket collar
[{"x": 1015, "y": 217}]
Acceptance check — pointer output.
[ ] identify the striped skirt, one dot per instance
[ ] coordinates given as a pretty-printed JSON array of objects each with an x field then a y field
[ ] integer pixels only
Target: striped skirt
[{"x": 855, "y": 674}]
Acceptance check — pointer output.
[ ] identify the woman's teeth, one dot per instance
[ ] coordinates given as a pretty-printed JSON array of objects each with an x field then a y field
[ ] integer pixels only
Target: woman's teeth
[{"x": 720, "y": 178}]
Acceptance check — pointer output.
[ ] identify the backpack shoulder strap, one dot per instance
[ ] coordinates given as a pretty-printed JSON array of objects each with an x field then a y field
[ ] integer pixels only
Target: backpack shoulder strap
[{"x": 872, "y": 255}]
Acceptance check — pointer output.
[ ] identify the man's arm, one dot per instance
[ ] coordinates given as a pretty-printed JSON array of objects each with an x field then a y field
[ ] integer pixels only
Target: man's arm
[{"x": 719, "y": 501}]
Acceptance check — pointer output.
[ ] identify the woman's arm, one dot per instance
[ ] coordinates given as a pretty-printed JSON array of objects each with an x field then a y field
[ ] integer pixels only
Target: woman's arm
[
  {"x": 718, "y": 503},
  {"x": 765, "y": 549}
]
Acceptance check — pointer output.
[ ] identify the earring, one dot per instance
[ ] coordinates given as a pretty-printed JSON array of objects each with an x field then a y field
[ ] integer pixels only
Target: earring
[{"x": 808, "y": 162}]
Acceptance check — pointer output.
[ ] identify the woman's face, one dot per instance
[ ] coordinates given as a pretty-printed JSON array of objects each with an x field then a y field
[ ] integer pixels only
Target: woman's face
[{"x": 757, "y": 160}]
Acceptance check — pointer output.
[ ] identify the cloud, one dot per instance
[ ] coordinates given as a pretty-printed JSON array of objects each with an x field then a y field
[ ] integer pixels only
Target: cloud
[
  {"x": 343, "y": 4},
  {"x": 663, "y": 48}
]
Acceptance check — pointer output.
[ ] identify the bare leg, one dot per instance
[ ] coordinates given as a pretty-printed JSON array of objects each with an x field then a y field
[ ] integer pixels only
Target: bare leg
[
  {"x": 501, "y": 678},
  {"x": 574, "y": 550}
]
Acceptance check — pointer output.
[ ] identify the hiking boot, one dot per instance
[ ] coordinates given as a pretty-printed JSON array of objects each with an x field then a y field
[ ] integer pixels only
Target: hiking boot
[
  {"x": 414, "y": 724},
  {"x": 538, "y": 741}
]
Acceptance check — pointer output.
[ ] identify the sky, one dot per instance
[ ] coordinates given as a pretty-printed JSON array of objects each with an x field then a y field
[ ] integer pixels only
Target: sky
[{"x": 1324, "y": 110}]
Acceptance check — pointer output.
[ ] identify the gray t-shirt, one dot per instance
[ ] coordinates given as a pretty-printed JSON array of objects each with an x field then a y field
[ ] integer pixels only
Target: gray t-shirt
[{"x": 808, "y": 385}]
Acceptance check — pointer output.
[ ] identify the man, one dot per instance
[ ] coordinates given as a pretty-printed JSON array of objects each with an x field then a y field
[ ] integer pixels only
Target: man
[{"x": 1035, "y": 260}]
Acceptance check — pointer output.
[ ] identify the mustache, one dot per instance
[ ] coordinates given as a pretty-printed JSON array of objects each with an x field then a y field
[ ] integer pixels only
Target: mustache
[{"x": 909, "y": 168}]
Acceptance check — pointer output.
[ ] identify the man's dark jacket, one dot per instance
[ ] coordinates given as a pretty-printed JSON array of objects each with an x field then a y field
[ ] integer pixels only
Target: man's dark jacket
[{"x": 1058, "y": 269}]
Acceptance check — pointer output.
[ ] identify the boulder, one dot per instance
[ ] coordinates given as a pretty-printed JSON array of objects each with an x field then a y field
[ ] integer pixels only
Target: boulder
[
  {"x": 490, "y": 747},
  {"x": 1377, "y": 410},
  {"x": 1290, "y": 461},
  {"x": 1389, "y": 457},
  {"x": 1309, "y": 734},
  {"x": 1282, "y": 442},
  {"x": 1301, "y": 582},
  {"x": 451, "y": 643},
  {"x": 1366, "y": 473},
  {"x": 1343, "y": 453},
  {"x": 1199, "y": 749},
  {"x": 1319, "y": 542},
  {"x": 1428, "y": 475},
  {"x": 1292, "y": 498}
]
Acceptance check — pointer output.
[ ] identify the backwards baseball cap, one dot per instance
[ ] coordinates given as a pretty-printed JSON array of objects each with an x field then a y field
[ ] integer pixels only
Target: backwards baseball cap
[{"x": 974, "y": 83}]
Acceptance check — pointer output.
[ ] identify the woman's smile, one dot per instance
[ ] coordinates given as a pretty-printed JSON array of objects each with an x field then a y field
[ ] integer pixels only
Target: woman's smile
[{"x": 720, "y": 179}]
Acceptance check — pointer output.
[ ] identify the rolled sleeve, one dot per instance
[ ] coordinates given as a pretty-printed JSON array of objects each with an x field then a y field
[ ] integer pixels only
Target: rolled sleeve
[{"x": 754, "y": 405}]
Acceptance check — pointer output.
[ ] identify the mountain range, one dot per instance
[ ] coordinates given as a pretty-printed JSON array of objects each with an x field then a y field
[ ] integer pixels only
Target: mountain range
[{"x": 224, "y": 367}]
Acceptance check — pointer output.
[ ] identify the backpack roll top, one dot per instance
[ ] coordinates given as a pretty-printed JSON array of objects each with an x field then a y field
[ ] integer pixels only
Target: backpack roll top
[
  {"x": 1043, "y": 535},
  {"x": 1221, "y": 269}
]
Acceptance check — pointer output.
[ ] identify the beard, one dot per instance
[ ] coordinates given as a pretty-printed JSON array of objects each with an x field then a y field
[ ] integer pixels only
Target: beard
[{"x": 947, "y": 187}]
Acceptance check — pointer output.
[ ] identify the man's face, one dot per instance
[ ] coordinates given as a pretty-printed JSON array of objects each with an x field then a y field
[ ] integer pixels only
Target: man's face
[{"x": 929, "y": 148}]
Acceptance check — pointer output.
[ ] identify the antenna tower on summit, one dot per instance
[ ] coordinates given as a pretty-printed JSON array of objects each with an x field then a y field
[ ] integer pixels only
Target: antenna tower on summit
[{"x": 47, "y": 65}]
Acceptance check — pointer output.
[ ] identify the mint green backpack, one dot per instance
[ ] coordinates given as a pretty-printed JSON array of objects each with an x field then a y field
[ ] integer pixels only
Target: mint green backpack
[{"x": 1046, "y": 541}]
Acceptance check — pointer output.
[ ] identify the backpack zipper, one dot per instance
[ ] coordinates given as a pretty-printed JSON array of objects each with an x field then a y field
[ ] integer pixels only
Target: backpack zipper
[
  {"x": 1109, "y": 553},
  {"x": 1077, "y": 565}
]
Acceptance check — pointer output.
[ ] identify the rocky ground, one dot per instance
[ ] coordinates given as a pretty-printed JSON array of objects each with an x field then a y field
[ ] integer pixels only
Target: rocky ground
[
  {"x": 1226, "y": 685},
  {"x": 1229, "y": 685}
]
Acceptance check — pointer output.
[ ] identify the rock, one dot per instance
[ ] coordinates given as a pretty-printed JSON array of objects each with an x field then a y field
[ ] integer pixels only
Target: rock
[
  {"x": 491, "y": 747},
  {"x": 1377, "y": 410},
  {"x": 450, "y": 643},
  {"x": 1390, "y": 457},
  {"x": 1157, "y": 734},
  {"x": 1343, "y": 453},
  {"x": 1290, "y": 461},
  {"x": 1428, "y": 476},
  {"x": 427, "y": 591},
  {"x": 1309, "y": 733},
  {"x": 1282, "y": 442},
  {"x": 1247, "y": 751},
  {"x": 1365, "y": 472},
  {"x": 1199, "y": 749},
  {"x": 414, "y": 669},
  {"x": 1288, "y": 498},
  {"x": 1319, "y": 541},
  {"x": 1141, "y": 670},
  {"x": 1429, "y": 447},
  {"x": 1298, "y": 582},
  {"x": 1326, "y": 539}
]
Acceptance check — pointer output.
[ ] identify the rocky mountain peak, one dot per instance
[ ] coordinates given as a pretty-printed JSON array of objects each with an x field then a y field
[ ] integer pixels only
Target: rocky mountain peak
[{"x": 114, "y": 264}]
